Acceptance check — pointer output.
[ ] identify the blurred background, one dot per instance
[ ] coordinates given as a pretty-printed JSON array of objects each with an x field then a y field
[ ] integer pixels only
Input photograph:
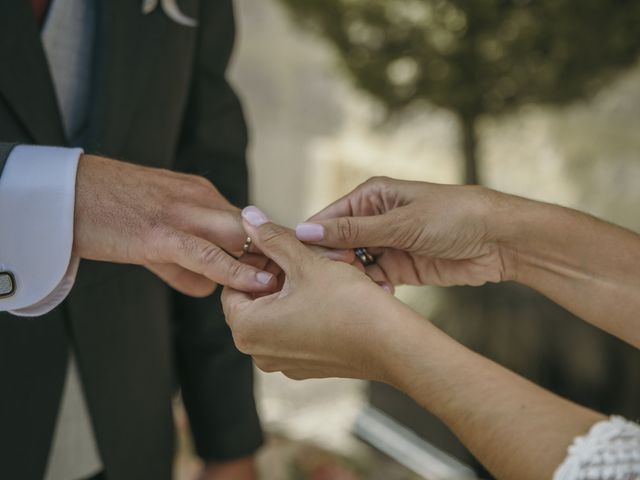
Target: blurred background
[{"x": 536, "y": 98}]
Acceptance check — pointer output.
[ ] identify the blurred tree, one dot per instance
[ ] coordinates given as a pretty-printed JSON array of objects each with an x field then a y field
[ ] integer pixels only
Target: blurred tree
[{"x": 477, "y": 57}]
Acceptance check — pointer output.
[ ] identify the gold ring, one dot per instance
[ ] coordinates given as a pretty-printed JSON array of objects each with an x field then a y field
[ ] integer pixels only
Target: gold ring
[
  {"x": 364, "y": 256},
  {"x": 247, "y": 245}
]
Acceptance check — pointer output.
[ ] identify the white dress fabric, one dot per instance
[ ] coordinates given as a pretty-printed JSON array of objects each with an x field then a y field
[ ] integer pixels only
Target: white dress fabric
[{"x": 610, "y": 451}]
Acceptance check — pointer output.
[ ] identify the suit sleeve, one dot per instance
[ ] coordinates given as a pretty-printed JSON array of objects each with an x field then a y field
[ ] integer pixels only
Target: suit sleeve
[
  {"x": 216, "y": 379},
  {"x": 37, "y": 199}
]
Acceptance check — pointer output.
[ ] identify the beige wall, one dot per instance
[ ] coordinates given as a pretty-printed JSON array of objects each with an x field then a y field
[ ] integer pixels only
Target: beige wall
[{"x": 313, "y": 137}]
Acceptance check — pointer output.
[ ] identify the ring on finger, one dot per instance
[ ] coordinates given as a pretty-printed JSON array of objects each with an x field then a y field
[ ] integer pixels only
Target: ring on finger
[
  {"x": 364, "y": 256},
  {"x": 247, "y": 245}
]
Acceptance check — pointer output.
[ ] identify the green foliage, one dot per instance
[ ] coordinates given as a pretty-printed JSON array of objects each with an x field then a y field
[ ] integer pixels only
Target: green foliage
[{"x": 477, "y": 57}]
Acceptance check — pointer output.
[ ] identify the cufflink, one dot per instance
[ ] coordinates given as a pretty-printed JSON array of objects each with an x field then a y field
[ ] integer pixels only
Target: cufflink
[{"x": 7, "y": 284}]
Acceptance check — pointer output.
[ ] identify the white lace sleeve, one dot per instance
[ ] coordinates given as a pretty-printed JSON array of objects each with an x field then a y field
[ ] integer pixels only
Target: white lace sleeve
[{"x": 610, "y": 451}]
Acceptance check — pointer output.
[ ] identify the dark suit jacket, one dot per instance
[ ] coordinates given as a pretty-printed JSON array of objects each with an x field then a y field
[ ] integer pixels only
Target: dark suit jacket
[{"x": 160, "y": 98}]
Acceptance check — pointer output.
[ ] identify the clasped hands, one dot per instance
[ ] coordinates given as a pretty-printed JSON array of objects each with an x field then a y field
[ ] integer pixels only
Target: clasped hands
[
  {"x": 327, "y": 318},
  {"x": 296, "y": 311},
  {"x": 293, "y": 307}
]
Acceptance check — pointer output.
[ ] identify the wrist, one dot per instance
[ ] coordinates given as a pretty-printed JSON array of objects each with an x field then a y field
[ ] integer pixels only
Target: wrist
[
  {"x": 432, "y": 368},
  {"x": 508, "y": 223},
  {"x": 425, "y": 363},
  {"x": 403, "y": 342}
]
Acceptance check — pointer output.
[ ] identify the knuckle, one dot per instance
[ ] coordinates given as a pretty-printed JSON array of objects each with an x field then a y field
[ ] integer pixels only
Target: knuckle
[
  {"x": 202, "y": 182},
  {"x": 267, "y": 366},
  {"x": 160, "y": 243},
  {"x": 235, "y": 269},
  {"x": 378, "y": 182},
  {"x": 174, "y": 213},
  {"x": 150, "y": 223},
  {"x": 346, "y": 229},
  {"x": 409, "y": 237},
  {"x": 211, "y": 254},
  {"x": 229, "y": 310},
  {"x": 199, "y": 187},
  {"x": 204, "y": 290},
  {"x": 272, "y": 234},
  {"x": 184, "y": 243},
  {"x": 242, "y": 341},
  {"x": 157, "y": 217},
  {"x": 383, "y": 187},
  {"x": 294, "y": 375},
  {"x": 195, "y": 186},
  {"x": 381, "y": 180}
]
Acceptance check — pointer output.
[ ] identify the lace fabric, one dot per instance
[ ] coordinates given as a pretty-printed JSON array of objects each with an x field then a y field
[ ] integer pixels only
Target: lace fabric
[{"x": 610, "y": 451}]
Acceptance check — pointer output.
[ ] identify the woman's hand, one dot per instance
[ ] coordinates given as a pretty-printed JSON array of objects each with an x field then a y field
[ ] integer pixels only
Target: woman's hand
[
  {"x": 427, "y": 233},
  {"x": 329, "y": 319},
  {"x": 326, "y": 320},
  {"x": 467, "y": 235}
]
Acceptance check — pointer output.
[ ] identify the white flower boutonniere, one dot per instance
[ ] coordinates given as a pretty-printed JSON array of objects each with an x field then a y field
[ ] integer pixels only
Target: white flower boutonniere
[{"x": 171, "y": 10}]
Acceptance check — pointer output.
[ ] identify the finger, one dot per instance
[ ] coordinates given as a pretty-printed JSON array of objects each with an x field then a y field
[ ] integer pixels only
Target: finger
[
  {"x": 337, "y": 255},
  {"x": 268, "y": 265},
  {"x": 357, "y": 264},
  {"x": 377, "y": 274},
  {"x": 183, "y": 280},
  {"x": 209, "y": 260},
  {"x": 262, "y": 262},
  {"x": 351, "y": 232},
  {"x": 255, "y": 260},
  {"x": 220, "y": 227},
  {"x": 368, "y": 198},
  {"x": 275, "y": 241},
  {"x": 340, "y": 208},
  {"x": 267, "y": 364},
  {"x": 344, "y": 255},
  {"x": 233, "y": 300}
]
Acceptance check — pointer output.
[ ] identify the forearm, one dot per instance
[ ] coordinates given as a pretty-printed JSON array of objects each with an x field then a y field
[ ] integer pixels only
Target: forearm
[
  {"x": 515, "y": 428},
  {"x": 590, "y": 267}
]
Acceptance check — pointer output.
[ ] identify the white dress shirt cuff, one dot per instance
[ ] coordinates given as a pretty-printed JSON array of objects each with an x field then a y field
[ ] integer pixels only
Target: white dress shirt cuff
[{"x": 37, "y": 200}]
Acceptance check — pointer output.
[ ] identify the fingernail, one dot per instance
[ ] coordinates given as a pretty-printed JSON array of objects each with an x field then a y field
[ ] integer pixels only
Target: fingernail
[
  {"x": 309, "y": 232},
  {"x": 386, "y": 287},
  {"x": 254, "y": 216},
  {"x": 263, "y": 277}
]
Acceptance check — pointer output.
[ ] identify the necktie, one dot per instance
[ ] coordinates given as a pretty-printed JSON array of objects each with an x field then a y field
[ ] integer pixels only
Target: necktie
[{"x": 39, "y": 8}]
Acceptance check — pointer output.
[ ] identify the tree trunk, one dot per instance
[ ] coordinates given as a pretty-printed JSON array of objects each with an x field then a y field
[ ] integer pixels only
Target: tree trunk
[{"x": 469, "y": 145}]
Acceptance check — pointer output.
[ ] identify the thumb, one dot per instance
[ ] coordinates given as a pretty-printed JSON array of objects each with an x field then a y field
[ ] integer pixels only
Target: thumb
[
  {"x": 274, "y": 241},
  {"x": 351, "y": 232}
]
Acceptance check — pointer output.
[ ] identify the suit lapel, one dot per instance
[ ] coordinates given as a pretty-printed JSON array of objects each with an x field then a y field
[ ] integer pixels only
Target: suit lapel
[
  {"x": 25, "y": 81},
  {"x": 128, "y": 45}
]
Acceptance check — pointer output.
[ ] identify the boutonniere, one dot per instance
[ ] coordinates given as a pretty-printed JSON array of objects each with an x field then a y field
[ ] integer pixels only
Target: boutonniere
[{"x": 171, "y": 10}]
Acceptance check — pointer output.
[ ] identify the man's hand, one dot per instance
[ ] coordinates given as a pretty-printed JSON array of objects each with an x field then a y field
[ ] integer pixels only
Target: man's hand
[{"x": 178, "y": 226}]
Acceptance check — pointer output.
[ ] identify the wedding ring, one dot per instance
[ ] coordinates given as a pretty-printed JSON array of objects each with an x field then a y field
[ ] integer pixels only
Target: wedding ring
[
  {"x": 247, "y": 245},
  {"x": 364, "y": 256}
]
